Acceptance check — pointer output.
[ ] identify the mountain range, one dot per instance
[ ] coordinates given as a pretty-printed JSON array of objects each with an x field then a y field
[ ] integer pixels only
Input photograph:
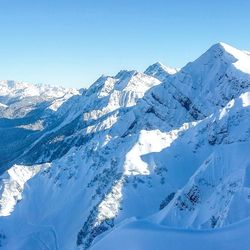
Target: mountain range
[{"x": 152, "y": 160}]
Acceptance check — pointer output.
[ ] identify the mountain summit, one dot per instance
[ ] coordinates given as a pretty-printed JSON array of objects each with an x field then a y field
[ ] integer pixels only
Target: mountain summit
[{"x": 159, "y": 71}]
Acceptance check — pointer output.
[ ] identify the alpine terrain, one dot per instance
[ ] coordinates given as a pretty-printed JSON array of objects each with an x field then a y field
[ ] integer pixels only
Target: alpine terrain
[{"x": 139, "y": 161}]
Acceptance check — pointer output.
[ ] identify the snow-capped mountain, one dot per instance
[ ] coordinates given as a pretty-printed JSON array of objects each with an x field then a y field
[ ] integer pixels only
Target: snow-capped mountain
[
  {"x": 137, "y": 151},
  {"x": 26, "y": 112},
  {"x": 160, "y": 71},
  {"x": 12, "y": 92}
]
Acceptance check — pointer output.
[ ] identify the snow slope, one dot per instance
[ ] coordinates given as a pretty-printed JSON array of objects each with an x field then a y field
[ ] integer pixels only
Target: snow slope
[
  {"x": 147, "y": 236},
  {"x": 168, "y": 147},
  {"x": 12, "y": 184}
]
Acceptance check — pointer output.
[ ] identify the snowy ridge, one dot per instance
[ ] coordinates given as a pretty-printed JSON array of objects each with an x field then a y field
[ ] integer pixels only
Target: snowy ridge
[
  {"x": 12, "y": 184},
  {"x": 24, "y": 89},
  {"x": 95, "y": 111},
  {"x": 160, "y": 71},
  {"x": 141, "y": 153},
  {"x": 22, "y": 94}
]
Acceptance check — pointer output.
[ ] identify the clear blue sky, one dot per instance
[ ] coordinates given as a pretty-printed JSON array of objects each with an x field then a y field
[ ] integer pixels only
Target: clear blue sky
[{"x": 73, "y": 42}]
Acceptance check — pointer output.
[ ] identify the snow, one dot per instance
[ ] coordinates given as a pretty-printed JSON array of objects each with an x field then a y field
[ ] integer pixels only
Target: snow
[
  {"x": 160, "y": 71},
  {"x": 24, "y": 89},
  {"x": 245, "y": 99},
  {"x": 139, "y": 234},
  {"x": 30, "y": 94},
  {"x": 57, "y": 103},
  {"x": 12, "y": 184},
  {"x": 3, "y": 105},
  {"x": 242, "y": 58}
]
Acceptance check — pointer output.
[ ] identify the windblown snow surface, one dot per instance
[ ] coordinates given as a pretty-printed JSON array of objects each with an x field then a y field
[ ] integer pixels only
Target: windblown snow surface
[{"x": 153, "y": 160}]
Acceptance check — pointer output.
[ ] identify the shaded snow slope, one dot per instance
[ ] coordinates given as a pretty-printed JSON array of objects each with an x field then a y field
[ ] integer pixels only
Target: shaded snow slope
[
  {"x": 12, "y": 184},
  {"x": 145, "y": 235}
]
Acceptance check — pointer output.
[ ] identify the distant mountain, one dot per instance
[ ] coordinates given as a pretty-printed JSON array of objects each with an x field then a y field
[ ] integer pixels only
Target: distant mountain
[
  {"x": 26, "y": 112},
  {"x": 135, "y": 154}
]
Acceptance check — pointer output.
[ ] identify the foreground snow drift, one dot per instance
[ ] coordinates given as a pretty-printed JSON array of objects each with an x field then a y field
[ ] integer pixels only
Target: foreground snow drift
[{"x": 144, "y": 235}]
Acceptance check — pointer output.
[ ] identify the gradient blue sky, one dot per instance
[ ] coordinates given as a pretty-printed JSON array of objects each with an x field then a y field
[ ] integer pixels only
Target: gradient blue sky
[{"x": 73, "y": 42}]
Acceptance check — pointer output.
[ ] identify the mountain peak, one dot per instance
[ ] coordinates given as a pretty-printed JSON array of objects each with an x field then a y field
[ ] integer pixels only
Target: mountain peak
[
  {"x": 160, "y": 71},
  {"x": 226, "y": 51},
  {"x": 159, "y": 65},
  {"x": 222, "y": 55},
  {"x": 125, "y": 74}
]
